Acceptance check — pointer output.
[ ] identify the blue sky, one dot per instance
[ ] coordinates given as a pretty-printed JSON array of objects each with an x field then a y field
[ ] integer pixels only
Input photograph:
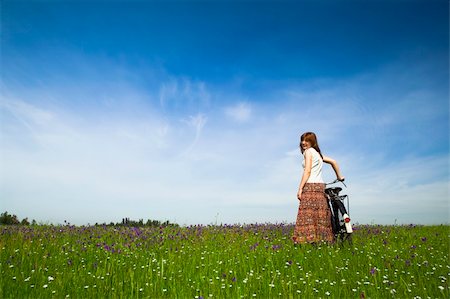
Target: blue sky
[{"x": 191, "y": 111}]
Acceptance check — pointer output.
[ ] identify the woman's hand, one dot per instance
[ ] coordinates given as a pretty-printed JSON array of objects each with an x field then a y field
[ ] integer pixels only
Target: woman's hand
[
  {"x": 341, "y": 178},
  {"x": 299, "y": 194}
]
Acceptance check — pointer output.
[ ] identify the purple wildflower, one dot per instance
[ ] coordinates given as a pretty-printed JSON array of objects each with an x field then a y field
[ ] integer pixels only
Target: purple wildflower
[
  {"x": 137, "y": 231},
  {"x": 276, "y": 247},
  {"x": 253, "y": 247}
]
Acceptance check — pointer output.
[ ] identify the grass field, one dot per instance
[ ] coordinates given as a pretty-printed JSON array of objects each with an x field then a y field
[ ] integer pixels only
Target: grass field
[{"x": 247, "y": 261}]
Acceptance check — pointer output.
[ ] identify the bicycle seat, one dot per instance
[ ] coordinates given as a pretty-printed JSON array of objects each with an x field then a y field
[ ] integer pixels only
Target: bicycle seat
[{"x": 333, "y": 191}]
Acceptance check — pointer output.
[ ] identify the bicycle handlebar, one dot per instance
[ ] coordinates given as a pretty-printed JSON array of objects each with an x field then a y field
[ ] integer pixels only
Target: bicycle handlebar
[{"x": 335, "y": 181}]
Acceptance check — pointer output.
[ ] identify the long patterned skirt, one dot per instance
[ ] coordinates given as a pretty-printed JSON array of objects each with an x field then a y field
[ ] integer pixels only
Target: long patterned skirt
[{"x": 314, "y": 216}]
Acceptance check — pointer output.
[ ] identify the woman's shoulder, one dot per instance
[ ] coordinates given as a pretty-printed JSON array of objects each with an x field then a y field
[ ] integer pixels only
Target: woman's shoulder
[{"x": 311, "y": 150}]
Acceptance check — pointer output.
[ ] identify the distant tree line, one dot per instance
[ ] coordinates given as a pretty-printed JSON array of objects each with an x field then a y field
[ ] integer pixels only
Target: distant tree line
[
  {"x": 140, "y": 223},
  {"x": 7, "y": 219}
]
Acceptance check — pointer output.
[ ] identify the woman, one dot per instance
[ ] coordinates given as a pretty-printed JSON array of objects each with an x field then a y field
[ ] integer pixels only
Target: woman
[{"x": 314, "y": 216}]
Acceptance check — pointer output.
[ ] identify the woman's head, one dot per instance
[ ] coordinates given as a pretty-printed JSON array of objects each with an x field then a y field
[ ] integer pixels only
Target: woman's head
[{"x": 308, "y": 140}]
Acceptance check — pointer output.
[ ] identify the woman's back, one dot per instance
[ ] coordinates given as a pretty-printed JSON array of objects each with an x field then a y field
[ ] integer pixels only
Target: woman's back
[{"x": 316, "y": 166}]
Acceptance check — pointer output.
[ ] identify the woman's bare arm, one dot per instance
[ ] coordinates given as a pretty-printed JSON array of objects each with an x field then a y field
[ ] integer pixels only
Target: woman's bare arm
[
  {"x": 335, "y": 166},
  {"x": 306, "y": 173}
]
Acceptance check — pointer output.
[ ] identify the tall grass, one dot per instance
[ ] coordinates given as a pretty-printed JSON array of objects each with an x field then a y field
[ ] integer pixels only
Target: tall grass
[{"x": 248, "y": 261}]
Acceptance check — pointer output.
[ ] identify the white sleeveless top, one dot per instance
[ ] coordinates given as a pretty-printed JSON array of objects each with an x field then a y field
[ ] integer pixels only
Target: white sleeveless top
[{"x": 316, "y": 167}]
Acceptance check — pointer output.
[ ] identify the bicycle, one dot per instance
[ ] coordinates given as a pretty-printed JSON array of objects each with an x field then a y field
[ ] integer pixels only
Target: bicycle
[{"x": 340, "y": 219}]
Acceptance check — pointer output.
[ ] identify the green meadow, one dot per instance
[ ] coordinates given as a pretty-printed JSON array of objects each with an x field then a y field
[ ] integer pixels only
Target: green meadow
[{"x": 221, "y": 261}]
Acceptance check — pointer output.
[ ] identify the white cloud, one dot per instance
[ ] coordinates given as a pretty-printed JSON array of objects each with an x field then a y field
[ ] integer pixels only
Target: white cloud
[
  {"x": 240, "y": 112},
  {"x": 167, "y": 92},
  {"x": 197, "y": 122},
  {"x": 27, "y": 113},
  {"x": 413, "y": 190},
  {"x": 184, "y": 94}
]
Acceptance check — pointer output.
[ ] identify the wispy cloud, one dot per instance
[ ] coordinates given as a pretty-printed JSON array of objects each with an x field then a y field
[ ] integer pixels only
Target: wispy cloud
[
  {"x": 414, "y": 190},
  {"x": 197, "y": 122},
  {"x": 241, "y": 112},
  {"x": 183, "y": 93}
]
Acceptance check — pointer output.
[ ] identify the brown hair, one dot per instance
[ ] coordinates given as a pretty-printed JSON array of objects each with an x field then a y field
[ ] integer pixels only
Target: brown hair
[{"x": 312, "y": 139}]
